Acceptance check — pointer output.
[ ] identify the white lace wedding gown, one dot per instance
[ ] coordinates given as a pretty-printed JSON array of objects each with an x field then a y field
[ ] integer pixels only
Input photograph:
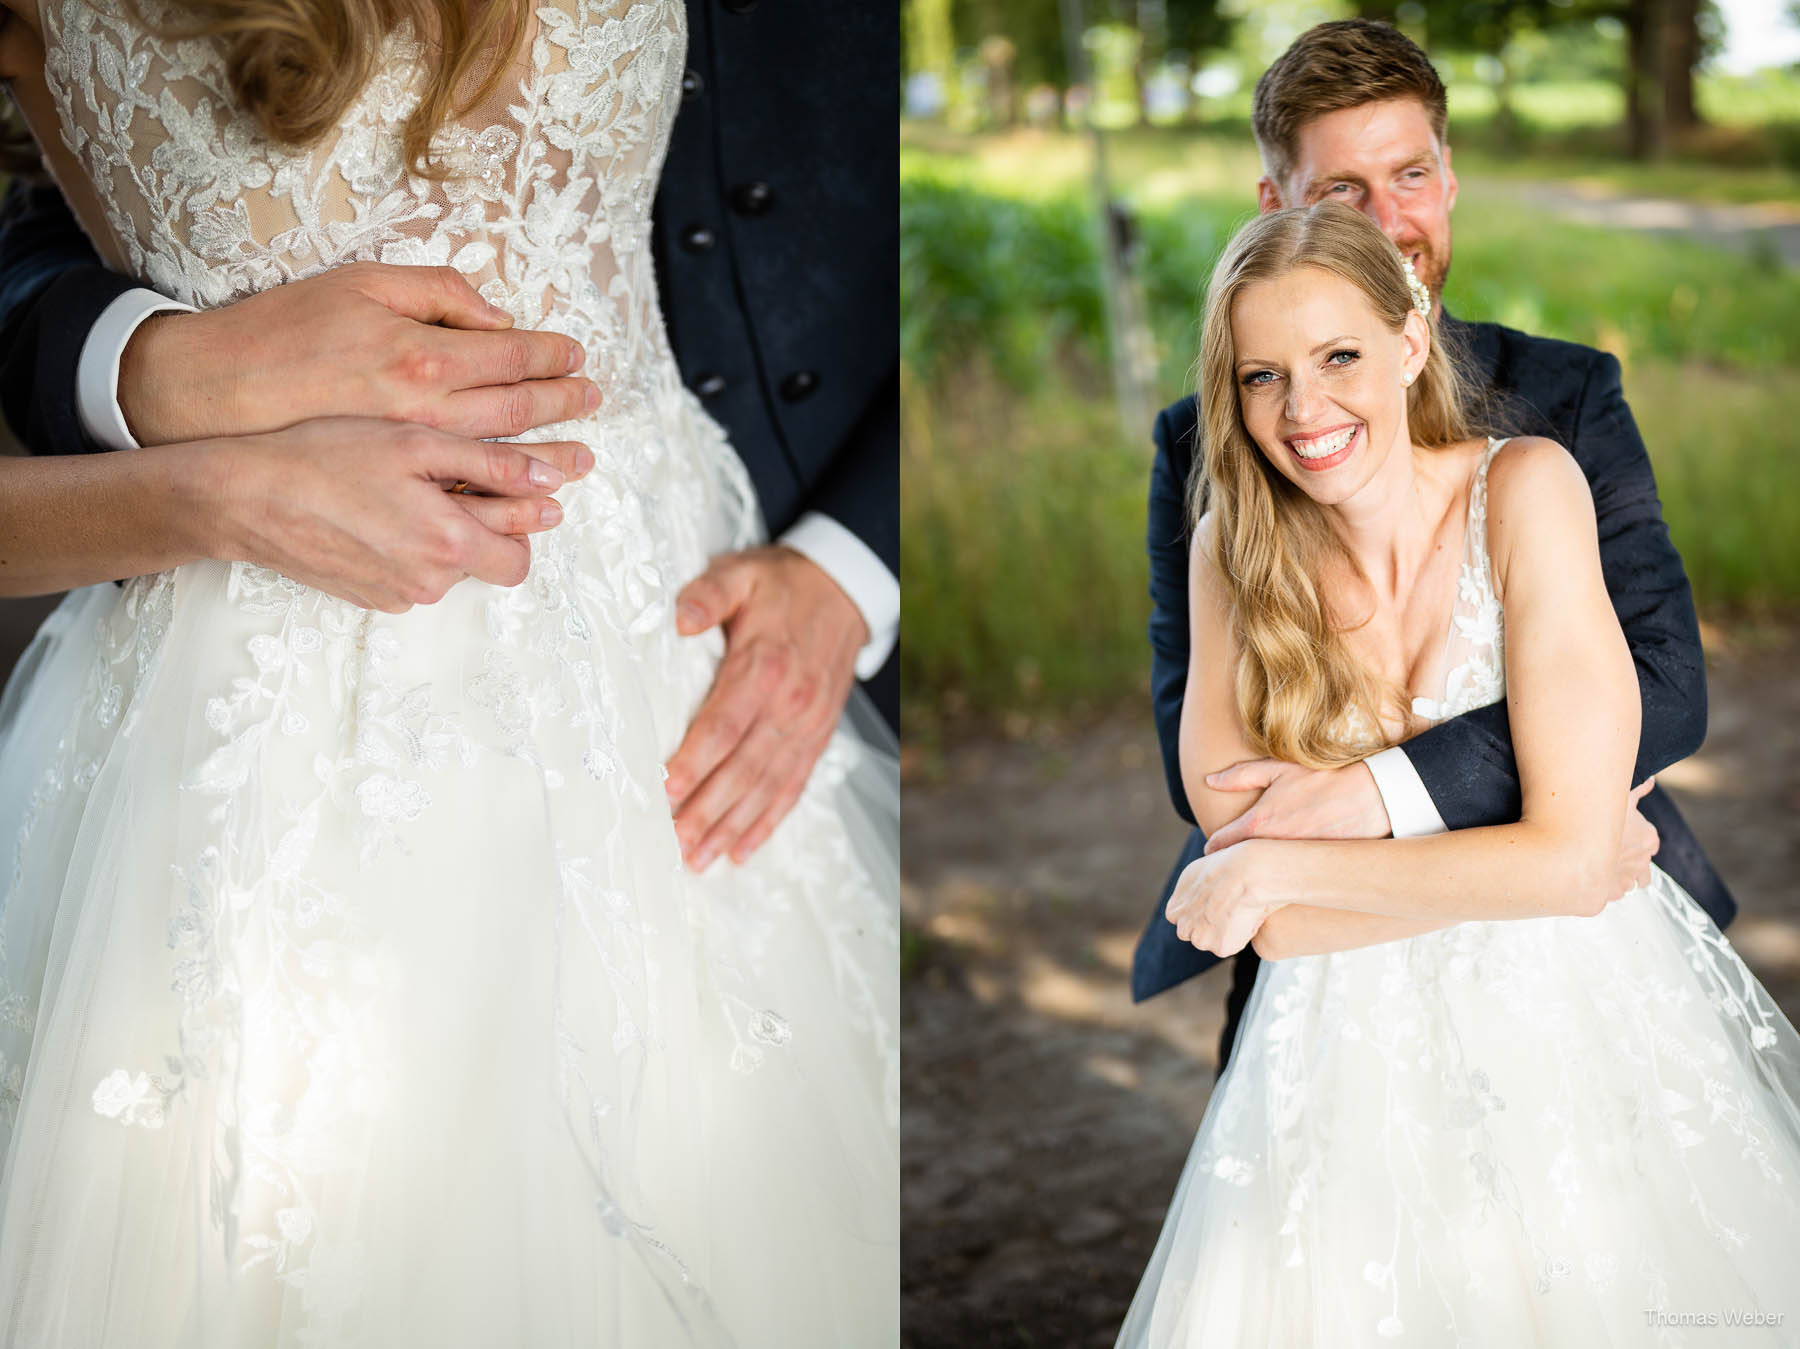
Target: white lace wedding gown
[
  {"x": 1567, "y": 1132},
  {"x": 354, "y": 990}
]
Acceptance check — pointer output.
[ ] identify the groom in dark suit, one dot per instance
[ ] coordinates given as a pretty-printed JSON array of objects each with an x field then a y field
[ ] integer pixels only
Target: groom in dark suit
[
  {"x": 776, "y": 237},
  {"x": 1354, "y": 112}
]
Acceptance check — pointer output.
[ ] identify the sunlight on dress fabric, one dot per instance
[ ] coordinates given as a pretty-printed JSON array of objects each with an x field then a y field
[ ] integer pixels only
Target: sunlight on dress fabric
[{"x": 354, "y": 991}]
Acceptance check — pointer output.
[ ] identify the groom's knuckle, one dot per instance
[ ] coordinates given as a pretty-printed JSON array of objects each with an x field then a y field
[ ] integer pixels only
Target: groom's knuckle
[
  {"x": 513, "y": 417},
  {"x": 418, "y": 366},
  {"x": 774, "y": 663},
  {"x": 513, "y": 358}
]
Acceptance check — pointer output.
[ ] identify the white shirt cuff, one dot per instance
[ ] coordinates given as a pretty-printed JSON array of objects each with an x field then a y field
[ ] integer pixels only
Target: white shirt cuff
[
  {"x": 1409, "y": 807},
  {"x": 864, "y": 577},
  {"x": 97, "y": 372}
]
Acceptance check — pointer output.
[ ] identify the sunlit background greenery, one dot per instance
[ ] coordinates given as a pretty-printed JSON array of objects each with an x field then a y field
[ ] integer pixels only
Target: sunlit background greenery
[{"x": 1023, "y": 491}]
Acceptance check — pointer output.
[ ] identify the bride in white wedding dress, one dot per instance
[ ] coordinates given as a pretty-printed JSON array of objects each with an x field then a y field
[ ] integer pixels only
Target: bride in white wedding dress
[
  {"x": 354, "y": 990},
  {"x": 1472, "y": 1102}
]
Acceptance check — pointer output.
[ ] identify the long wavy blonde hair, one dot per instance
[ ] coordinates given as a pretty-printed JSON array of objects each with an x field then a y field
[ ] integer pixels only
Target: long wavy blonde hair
[
  {"x": 1295, "y": 678},
  {"x": 297, "y": 66}
]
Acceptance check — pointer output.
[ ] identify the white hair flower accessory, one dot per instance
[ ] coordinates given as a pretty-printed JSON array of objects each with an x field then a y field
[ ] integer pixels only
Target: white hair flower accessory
[{"x": 1421, "y": 297}]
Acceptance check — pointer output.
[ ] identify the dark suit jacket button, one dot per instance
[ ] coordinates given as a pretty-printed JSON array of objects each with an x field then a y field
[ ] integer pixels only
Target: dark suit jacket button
[
  {"x": 698, "y": 239},
  {"x": 692, "y": 86},
  {"x": 740, "y": 6},
  {"x": 709, "y": 385},
  {"x": 752, "y": 198},
  {"x": 798, "y": 385}
]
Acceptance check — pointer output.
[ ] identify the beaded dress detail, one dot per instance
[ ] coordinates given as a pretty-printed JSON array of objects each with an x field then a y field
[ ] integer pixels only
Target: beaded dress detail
[
  {"x": 354, "y": 991},
  {"x": 1556, "y": 1132}
]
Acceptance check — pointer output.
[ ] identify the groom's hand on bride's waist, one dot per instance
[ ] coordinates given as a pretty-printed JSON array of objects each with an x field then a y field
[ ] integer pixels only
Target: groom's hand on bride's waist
[
  {"x": 791, "y": 640},
  {"x": 411, "y": 344},
  {"x": 1298, "y": 802}
]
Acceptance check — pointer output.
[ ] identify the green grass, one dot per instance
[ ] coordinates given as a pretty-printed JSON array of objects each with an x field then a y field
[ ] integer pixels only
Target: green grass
[
  {"x": 1024, "y": 569},
  {"x": 1023, "y": 500},
  {"x": 1727, "y": 459}
]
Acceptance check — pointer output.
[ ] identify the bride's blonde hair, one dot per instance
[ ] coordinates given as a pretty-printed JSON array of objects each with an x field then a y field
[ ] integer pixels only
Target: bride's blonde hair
[
  {"x": 297, "y": 66},
  {"x": 1296, "y": 682}
]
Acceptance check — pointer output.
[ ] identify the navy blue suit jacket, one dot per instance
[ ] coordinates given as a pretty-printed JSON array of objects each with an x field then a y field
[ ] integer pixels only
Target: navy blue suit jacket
[
  {"x": 1535, "y": 386},
  {"x": 777, "y": 247}
]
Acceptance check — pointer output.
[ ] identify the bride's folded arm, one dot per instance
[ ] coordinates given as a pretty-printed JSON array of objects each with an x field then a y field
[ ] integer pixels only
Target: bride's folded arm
[
  {"x": 1572, "y": 700},
  {"x": 1573, "y": 703},
  {"x": 1213, "y": 738}
]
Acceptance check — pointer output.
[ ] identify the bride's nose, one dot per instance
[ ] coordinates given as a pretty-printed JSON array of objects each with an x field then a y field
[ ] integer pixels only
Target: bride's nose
[{"x": 1304, "y": 400}]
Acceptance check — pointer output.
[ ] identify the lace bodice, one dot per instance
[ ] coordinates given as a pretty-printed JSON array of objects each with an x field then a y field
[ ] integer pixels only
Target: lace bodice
[
  {"x": 548, "y": 214},
  {"x": 1474, "y": 655},
  {"x": 1475, "y": 642}
]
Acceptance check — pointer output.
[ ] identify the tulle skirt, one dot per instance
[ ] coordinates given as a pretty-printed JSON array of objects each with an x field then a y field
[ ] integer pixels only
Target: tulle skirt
[
  {"x": 355, "y": 992},
  {"x": 1575, "y": 1132}
]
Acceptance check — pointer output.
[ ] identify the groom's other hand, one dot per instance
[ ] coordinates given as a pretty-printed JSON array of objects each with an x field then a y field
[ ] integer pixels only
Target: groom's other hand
[
  {"x": 1299, "y": 802},
  {"x": 412, "y": 344},
  {"x": 1638, "y": 845},
  {"x": 358, "y": 507},
  {"x": 791, "y": 638}
]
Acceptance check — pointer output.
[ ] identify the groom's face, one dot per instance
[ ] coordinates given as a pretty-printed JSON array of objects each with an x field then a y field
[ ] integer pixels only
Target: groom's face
[{"x": 1384, "y": 160}]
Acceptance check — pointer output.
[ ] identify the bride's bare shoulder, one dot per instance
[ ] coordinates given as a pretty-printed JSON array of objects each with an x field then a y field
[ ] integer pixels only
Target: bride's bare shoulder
[{"x": 1536, "y": 489}]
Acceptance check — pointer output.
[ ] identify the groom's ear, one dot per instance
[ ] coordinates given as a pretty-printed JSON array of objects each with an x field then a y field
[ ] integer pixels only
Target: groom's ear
[
  {"x": 1268, "y": 196},
  {"x": 1449, "y": 182}
]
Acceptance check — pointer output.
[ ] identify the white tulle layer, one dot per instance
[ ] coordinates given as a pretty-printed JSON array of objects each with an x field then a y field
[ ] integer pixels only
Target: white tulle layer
[
  {"x": 1563, "y": 1132},
  {"x": 356, "y": 995}
]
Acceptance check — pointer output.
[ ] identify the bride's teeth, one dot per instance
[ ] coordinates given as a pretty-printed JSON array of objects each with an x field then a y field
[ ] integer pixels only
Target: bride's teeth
[{"x": 1325, "y": 445}]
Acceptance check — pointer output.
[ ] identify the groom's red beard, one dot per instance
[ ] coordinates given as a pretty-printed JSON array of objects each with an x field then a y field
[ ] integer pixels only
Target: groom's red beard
[{"x": 1429, "y": 265}]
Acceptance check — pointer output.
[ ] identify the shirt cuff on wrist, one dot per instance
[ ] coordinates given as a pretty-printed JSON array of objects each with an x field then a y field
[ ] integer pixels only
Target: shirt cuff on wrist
[
  {"x": 863, "y": 576},
  {"x": 1409, "y": 807},
  {"x": 97, "y": 371}
]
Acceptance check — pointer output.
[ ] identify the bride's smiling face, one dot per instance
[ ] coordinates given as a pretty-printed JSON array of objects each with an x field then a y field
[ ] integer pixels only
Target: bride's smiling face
[{"x": 1322, "y": 379}]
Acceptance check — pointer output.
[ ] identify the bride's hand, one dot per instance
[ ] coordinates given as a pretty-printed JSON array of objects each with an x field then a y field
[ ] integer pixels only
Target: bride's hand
[
  {"x": 358, "y": 508},
  {"x": 1221, "y": 900}
]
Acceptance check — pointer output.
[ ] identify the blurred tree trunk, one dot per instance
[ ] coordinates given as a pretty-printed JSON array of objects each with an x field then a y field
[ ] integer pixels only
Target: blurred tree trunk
[
  {"x": 929, "y": 44},
  {"x": 1680, "y": 54},
  {"x": 1645, "y": 127},
  {"x": 997, "y": 57}
]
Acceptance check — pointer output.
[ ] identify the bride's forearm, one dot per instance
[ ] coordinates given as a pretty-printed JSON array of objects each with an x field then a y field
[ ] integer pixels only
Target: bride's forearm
[
  {"x": 1526, "y": 870},
  {"x": 79, "y": 519},
  {"x": 1302, "y": 930}
]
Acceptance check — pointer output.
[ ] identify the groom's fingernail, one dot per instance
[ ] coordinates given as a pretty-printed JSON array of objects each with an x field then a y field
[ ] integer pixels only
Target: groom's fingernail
[
  {"x": 689, "y": 615},
  {"x": 544, "y": 475},
  {"x": 551, "y": 514},
  {"x": 575, "y": 357}
]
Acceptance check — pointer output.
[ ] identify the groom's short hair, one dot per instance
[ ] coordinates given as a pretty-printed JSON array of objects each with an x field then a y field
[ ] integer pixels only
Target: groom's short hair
[{"x": 1331, "y": 66}]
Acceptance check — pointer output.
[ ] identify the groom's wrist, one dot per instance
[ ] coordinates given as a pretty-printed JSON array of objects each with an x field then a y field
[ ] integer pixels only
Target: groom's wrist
[
  {"x": 164, "y": 397},
  {"x": 112, "y": 400}
]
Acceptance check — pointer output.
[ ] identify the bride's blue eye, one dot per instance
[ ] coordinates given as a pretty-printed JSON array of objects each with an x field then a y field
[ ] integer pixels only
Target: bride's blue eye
[
  {"x": 1257, "y": 378},
  {"x": 1333, "y": 358}
]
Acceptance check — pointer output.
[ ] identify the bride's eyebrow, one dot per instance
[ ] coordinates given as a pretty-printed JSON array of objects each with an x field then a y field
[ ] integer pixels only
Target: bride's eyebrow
[{"x": 1329, "y": 342}]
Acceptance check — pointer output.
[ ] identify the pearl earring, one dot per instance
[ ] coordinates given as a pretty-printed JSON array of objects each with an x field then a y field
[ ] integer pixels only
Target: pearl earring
[{"x": 1406, "y": 379}]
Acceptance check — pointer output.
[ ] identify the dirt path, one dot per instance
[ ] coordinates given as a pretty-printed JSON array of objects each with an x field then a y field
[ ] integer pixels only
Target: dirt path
[
  {"x": 1046, "y": 1118},
  {"x": 1767, "y": 227}
]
